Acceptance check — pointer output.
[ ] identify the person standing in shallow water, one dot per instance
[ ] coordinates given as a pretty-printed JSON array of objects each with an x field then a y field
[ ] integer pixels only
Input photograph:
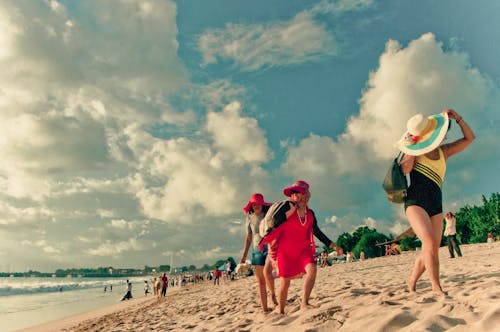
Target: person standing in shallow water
[
  {"x": 128, "y": 295},
  {"x": 425, "y": 160},
  {"x": 255, "y": 210}
]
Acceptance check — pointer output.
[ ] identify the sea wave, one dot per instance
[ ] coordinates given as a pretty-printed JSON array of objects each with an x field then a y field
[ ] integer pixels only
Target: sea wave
[{"x": 19, "y": 286}]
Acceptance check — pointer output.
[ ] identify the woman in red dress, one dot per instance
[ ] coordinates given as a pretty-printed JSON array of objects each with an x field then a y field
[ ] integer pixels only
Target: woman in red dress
[{"x": 294, "y": 243}]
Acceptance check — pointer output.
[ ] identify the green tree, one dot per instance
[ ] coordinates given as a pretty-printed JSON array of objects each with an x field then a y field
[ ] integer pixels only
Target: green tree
[
  {"x": 409, "y": 243},
  {"x": 367, "y": 244},
  {"x": 475, "y": 222},
  {"x": 360, "y": 231},
  {"x": 164, "y": 268},
  {"x": 218, "y": 263},
  {"x": 346, "y": 242}
]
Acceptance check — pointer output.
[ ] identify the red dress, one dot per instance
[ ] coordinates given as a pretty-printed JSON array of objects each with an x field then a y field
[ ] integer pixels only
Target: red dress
[{"x": 294, "y": 244}]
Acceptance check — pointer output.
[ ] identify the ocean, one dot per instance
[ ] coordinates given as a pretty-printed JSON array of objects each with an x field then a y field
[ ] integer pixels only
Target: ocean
[{"x": 26, "y": 302}]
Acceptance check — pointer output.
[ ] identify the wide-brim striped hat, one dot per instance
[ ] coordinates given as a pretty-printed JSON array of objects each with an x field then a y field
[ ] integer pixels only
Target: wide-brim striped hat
[{"x": 423, "y": 134}]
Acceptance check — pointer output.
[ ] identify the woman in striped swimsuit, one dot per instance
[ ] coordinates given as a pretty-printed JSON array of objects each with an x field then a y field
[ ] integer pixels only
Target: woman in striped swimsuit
[{"x": 425, "y": 161}]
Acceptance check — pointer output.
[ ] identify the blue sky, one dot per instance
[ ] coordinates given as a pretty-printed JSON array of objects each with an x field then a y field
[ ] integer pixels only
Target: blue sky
[{"x": 135, "y": 131}]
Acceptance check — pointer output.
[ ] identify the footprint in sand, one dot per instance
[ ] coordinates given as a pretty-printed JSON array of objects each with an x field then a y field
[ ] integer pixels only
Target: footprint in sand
[
  {"x": 389, "y": 302},
  {"x": 425, "y": 299}
]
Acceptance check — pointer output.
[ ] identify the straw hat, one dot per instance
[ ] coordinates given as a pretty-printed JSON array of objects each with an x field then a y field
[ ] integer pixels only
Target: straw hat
[
  {"x": 255, "y": 199},
  {"x": 423, "y": 134}
]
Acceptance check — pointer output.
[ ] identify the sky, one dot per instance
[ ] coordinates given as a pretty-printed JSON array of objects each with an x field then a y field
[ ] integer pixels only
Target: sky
[{"x": 132, "y": 132}]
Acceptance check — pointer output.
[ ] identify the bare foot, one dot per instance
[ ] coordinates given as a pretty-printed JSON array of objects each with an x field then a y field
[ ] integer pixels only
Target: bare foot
[
  {"x": 411, "y": 285},
  {"x": 439, "y": 292},
  {"x": 307, "y": 306},
  {"x": 267, "y": 310}
]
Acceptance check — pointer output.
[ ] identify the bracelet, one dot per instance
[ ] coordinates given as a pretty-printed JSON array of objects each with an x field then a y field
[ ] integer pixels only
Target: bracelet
[{"x": 459, "y": 120}]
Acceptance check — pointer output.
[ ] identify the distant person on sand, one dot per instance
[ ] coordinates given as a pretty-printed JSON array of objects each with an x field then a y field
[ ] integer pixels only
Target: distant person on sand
[
  {"x": 217, "y": 275},
  {"x": 156, "y": 286},
  {"x": 146, "y": 288},
  {"x": 228, "y": 269},
  {"x": 292, "y": 237},
  {"x": 451, "y": 235},
  {"x": 164, "y": 284},
  {"x": 324, "y": 258},
  {"x": 425, "y": 161},
  {"x": 255, "y": 210},
  {"x": 128, "y": 295},
  {"x": 490, "y": 238}
]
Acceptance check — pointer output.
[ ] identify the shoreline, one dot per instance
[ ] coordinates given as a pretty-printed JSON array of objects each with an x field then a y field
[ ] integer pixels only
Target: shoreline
[
  {"x": 62, "y": 324},
  {"x": 67, "y": 322},
  {"x": 349, "y": 296}
]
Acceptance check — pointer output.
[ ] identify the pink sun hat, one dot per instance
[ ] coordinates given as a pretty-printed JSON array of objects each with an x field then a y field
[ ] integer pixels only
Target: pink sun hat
[
  {"x": 299, "y": 186},
  {"x": 255, "y": 199}
]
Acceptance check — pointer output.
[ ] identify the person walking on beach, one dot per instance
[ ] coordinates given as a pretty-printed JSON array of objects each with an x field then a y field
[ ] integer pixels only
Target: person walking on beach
[
  {"x": 146, "y": 288},
  {"x": 156, "y": 286},
  {"x": 255, "y": 210},
  {"x": 451, "y": 235},
  {"x": 128, "y": 295},
  {"x": 228, "y": 270},
  {"x": 164, "y": 284},
  {"x": 292, "y": 242},
  {"x": 217, "y": 275},
  {"x": 425, "y": 160}
]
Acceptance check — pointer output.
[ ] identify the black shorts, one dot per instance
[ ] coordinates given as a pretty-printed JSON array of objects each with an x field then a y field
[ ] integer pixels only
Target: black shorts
[{"x": 425, "y": 193}]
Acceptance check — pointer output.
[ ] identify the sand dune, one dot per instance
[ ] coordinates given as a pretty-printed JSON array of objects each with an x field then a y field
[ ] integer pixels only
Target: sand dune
[{"x": 360, "y": 296}]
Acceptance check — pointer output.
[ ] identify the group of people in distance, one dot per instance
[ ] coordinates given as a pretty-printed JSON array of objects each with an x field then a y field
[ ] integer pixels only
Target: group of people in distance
[{"x": 288, "y": 245}]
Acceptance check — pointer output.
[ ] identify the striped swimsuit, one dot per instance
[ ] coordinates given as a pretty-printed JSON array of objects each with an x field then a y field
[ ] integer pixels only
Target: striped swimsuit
[{"x": 426, "y": 179}]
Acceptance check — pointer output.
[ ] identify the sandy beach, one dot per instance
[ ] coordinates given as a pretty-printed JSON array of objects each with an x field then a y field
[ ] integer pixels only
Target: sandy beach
[{"x": 359, "y": 296}]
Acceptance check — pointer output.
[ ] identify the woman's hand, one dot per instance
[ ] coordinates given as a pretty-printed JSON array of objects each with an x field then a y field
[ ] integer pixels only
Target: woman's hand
[
  {"x": 293, "y": 207},
  {"x": 337, "y": 248},
  {"x": 452, "y": 114},
  {"x": 460, "y": 144}
]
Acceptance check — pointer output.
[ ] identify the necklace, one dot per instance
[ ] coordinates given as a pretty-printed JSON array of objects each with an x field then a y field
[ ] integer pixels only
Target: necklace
[{"x": 300, "y": 219}]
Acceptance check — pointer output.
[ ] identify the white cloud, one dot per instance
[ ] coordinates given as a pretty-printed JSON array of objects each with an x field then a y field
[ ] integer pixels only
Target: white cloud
[
  {"x": 116, "y": 248},
  {"x": 256, "y": 46},
  {"x": 420, "y": 78},
  {"x": 341, "y": 6},
  {"x": 69, "y": 89},
  {"x": 27, "y": 217},
  {"x": 42, "y": 244},
  {"x": 178, "y": 177},
  {"x": 239, "y": 138}
]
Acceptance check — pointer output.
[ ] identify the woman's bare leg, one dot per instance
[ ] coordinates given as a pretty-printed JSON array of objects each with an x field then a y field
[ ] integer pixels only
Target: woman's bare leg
[
  {"x": 261, "y": 281},
  {"x": 268, "y": 274},
  {"x": 308, "y": 286},
  {"x": 428, "y": 230},
  {"x": 285, "y": 284}
]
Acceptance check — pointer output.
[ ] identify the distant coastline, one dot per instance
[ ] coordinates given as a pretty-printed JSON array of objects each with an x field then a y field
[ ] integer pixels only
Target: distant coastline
[{"x": 108, "y": 272}]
